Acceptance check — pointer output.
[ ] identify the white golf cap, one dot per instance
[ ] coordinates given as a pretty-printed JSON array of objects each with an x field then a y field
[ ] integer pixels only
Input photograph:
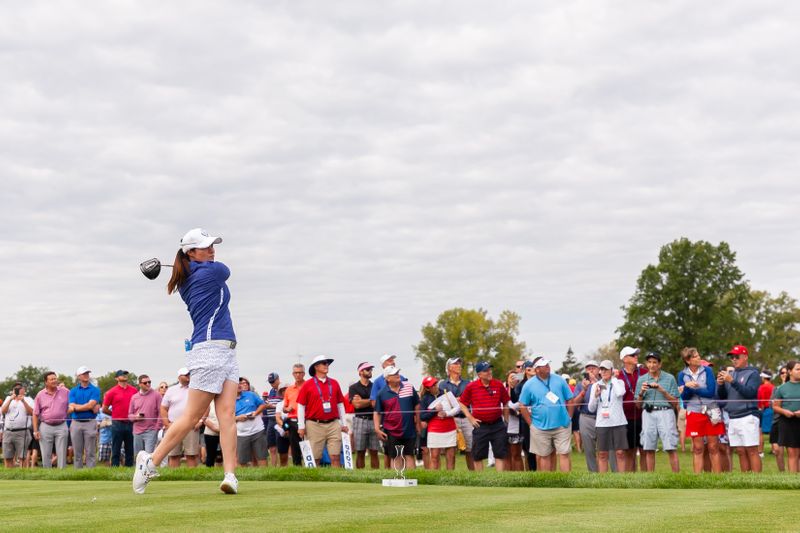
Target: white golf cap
[
  {"x": 565, "y": 377},
  {"x": 183, "y": 371},
  {"x": 541, "y": 362},
  {"x": 385, "y": 357},
  {"x": 591, "y": 362},
  {"x": 82, "y": 370},
  {"x": 390, "y": 371},
  {"x": 607, "y": 364},
  {"x": 626, "y": 351},
  {"x": 198, "y": 238}
]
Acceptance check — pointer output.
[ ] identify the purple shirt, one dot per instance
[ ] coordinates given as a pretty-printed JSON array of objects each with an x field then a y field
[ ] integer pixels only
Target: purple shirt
[
  {"x": 150, "y": 405},
  {"x": 51, "y": 408}
]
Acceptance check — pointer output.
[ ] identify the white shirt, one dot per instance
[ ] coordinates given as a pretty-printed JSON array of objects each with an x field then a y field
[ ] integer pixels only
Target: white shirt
[
  {"x": 175, "y": 401},
  {"x": 17, "y": 417},
  {"x": 609, "y": 405}
]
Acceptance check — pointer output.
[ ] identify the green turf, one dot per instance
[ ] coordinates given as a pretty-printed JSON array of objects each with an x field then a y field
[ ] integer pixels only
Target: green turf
[{"x": 308, "y": 506}]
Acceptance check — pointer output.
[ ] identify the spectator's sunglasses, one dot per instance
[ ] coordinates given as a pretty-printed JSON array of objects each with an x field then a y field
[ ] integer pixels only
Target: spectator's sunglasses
[
  {"x": 145, "y": 382},
  {"x": 736, "y": 357}
]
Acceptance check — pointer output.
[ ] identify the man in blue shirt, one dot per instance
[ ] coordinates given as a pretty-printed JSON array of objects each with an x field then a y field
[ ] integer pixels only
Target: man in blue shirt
[
  {"x": 551, "y": 403},
  {"x": 83, "y": 399}
]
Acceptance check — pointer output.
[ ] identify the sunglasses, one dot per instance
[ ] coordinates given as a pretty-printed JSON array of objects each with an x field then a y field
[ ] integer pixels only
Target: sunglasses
[
  {"x": 145, "y": 382},
  {"x": 519, "y": 366},
  {"x": 736, "y": 357}
]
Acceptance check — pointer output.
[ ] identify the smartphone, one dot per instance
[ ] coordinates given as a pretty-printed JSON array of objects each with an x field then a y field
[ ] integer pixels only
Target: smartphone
[{"x": 585, "y": 375}]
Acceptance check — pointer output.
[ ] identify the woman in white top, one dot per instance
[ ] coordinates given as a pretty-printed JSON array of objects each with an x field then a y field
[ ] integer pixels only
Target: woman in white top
[{"x": 611, "y": 424}]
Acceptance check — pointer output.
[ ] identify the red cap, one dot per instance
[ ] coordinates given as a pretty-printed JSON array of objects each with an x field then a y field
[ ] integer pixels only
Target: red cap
[
  {"x": 738, "y": 350},
  {"x": 429, "y": 382}
]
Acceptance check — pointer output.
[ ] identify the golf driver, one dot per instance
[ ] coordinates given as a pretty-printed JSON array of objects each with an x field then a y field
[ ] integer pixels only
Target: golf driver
[{"x": 152, "y": 268}]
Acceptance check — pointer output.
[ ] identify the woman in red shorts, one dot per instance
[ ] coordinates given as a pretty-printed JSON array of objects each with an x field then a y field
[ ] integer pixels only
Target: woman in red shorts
[{"x": 698, "y": 388}]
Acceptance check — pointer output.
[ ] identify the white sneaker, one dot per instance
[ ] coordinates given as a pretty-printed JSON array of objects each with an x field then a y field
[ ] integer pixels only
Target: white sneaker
[
  {"x": 144, "y": 472},
  {"x": 229, "y": 485}
]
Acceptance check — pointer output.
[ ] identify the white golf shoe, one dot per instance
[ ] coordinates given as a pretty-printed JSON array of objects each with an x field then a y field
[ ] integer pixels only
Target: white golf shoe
[
  {"x": 144, "y": 472},
  {"x": 229, "y": 485}
]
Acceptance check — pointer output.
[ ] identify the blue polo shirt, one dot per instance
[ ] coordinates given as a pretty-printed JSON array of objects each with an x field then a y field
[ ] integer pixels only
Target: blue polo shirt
[
  {"x": 81, "y": 395},
  {"x": 207, "y": 297},
  {"x": 247, "y": 402},
  {"x": 544, "y": 413}
]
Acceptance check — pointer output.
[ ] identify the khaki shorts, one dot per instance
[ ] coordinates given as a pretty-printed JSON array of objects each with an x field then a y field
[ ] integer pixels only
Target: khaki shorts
[
  {"x": 190, "y": 445},
  {"x": 321, "y": 435},
  {"x": 545, "y": 441}
]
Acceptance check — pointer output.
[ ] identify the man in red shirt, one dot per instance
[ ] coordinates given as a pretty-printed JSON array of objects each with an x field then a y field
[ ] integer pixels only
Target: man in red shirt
[
  {"x": 489, "y": 401},
  {"x": 116, "y": 403},
  {"x": 321, "y": 412}
]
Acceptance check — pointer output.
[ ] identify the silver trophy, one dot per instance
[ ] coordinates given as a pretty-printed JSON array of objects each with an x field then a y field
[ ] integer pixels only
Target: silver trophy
[{"x": 399, "y": 465}]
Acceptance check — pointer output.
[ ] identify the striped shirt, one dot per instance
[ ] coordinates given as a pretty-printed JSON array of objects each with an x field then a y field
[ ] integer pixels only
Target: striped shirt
[{"x": 487, "y": 401}]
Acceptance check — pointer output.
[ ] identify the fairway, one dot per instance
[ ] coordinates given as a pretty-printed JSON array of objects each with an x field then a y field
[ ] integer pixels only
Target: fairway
[{"x": 307, "y": 506}]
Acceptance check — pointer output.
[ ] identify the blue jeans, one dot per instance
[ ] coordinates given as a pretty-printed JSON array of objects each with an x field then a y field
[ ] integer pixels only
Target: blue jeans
[{"x": 121, "y": 432}]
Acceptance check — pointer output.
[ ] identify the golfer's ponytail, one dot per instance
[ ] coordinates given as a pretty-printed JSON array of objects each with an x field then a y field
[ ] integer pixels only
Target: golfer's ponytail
[{"x": 180, "y": 271}]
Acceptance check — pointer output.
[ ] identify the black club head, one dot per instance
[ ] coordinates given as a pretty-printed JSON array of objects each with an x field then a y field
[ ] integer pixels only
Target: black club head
[{"x": 151, "y": 268}]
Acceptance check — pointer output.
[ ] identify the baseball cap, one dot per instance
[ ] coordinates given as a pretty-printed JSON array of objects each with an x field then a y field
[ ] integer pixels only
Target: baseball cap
[
  {"x": 453, "y": 360},
  {"x": 385, "y": 357},
  {"x": 653, "y": 355},
  {"x": 541, "y": 362},
  {"x": 119, "y": 373},
  {"x": 527, "y": 364},
  {"x": 483, "y": 366},
  {"x": 626, "y": 351},
  {"x": 590, "y": 362},
  {"x": 766, "y": 375},
  {"x": 198, "y": 238},
  {"x": 183, "y": 371},
  {"x": 565, "y": 377},
  {"x": 390, "y": 371},
  {"x": 430, "y": 381},
  {"x": 738, "y": 350},
  {"x": 365, "y": 366},
  {"x": 82, "y": 370},
  {"x": 607, "y": 364},
  {"x": 272, "y": 378}
]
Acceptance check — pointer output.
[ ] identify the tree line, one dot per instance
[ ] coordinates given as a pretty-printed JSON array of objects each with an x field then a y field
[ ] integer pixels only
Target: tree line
[{"x": 32, "y": 378}]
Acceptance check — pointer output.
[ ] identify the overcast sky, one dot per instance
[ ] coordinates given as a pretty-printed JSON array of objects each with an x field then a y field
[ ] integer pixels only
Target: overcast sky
[{"x": 371, "y": 164}]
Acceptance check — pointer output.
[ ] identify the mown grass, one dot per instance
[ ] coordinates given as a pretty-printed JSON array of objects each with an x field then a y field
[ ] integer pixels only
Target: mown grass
[
  {"x": 487, "y": 478},
  {"x": 309, "y": 506}
]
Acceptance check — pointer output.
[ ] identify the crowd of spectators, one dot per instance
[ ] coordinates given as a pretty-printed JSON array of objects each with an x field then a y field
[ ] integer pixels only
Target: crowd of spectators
[{"x": 533, "y": 419}]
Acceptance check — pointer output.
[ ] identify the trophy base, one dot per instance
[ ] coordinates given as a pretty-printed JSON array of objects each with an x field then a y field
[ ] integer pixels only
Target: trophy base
[{"x": 399, "y": 482}]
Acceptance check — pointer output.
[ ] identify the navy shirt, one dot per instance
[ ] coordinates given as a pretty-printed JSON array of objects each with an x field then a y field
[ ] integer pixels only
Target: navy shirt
[
  {"x": 207, "y": 297},
  {"x": 378, "y": 385},
  {"x": 446, "y": 385},
  {"x": 81, "y": 395},
  {"x": 397, "y": 410}
]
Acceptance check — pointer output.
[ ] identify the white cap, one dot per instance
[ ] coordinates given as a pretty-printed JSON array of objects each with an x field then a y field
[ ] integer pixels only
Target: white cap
[
  {"x": 565, "y": 377},
  {"x": 198, "y": 238},
  {"x": 541, "y": 362},
  {"x": 607, "y": 364},
  {"x": 390, "y": 371},
  {"x": 385, "y": 357},
  {"x": 591, "y": 362},
  {"x": 82, "y": 370},
  {"x": 626, "y": 351},
  {"x": 183, "y": 371}
]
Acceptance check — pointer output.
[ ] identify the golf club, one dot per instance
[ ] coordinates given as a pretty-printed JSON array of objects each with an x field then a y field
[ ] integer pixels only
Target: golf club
[{"x": 152, "y": 268}]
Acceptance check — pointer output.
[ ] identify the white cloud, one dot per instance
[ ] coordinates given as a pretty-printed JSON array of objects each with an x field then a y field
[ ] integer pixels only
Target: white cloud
[{"x": 371, "y": 165}]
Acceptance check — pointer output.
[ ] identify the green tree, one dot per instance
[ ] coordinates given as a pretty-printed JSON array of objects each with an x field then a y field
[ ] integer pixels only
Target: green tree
[
  {"x": 570, "y": 366},
  {"x": 694, "y": 296},
  {"x": 773, "y": 334},
  {"x": 32, "y": 377},
  {"x": 471, "y": 335}
]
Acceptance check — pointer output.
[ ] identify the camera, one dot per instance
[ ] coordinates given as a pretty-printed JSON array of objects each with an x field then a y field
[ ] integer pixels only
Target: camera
[
  {"x": 585, "y": 375},
  {"x": 17, "y": 390}
]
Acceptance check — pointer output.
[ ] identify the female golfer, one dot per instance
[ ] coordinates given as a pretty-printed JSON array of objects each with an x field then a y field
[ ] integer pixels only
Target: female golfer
[{"x": 213, "y": 369}]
